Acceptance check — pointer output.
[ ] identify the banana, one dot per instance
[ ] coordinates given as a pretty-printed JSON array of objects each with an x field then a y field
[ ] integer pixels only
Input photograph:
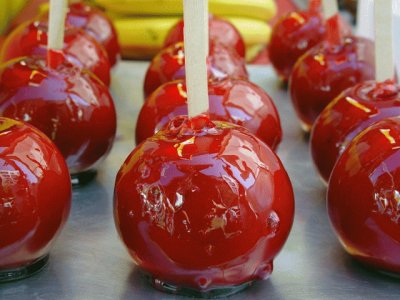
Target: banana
[
  {"x": 143, "y": 37},
  {"x": 263, "y": 10},
  {"x": 4, "y": 15},
  {"x": 253, "y": 51},
  {"x": 257, "y": 9},
  {"x": 254, "y": 32},
  {"x": 15, "y": 6}
]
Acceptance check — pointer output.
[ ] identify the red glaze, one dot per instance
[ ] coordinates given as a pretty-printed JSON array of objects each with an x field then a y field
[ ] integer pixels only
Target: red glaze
[
  {"x": 96, "y": 23},
  {"x": 71, "y": 107},
  {"x": 292, "y": 36},
  {"x": 350, "y": 113},
  {"x": 80, "y": 49},
  {"x": 35, "y": 194},
  {"x": 363, "y": 196},
  {"x": 169, "y": 64},
  {"x": 220, "y": 31},
  {"x": 231, "y": 100},
  {"x": 203, "y": 205},
  {"x": 325, "y": 71}
]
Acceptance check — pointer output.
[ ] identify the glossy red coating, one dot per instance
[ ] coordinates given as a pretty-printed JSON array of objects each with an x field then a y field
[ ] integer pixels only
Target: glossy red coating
[
  {"x": 96, "y": 23},
  {"x": 169, "y": 64},
  {"x": 35, "y": 194},
  {"x": 351, "y": 112},
  {"x": 71, "y": 107},
  {"x": 325, "y": 71},
  {"x": 231, "y": 100},
  {"x": 80, "y": 49},
  {"x": 292, "y": 36},
  {"x": 220, "y": 31},
  {"x": 203, "y": 205},
  {"x": 363, "y": 196}
]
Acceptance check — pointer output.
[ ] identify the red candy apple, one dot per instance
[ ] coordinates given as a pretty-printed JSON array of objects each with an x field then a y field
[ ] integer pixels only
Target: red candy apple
[
  {"x": 220, "y": 31},
  {"x": 169, "y": 64},
  {"x": 71, "y": 107},
  {"x": 80, "y": 49},
  {"x": 231, "y": 100},
  {"x": 96, "y": 23},
  {"x": 292, "y": 36},
  {"x": 325, "y": 71},
  {"x": 203, "y": 206},
  {"x": 35, "y": 198},
  {"x": 363, "y": 196},
  {"x": 350, "y": 113}
]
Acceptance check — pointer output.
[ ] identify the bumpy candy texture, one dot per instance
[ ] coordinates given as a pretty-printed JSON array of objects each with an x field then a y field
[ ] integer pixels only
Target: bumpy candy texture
[
  {"x": 231, "y": 100},
  {"x": 292, "y": 36},
  {"x": 364, "y": 196},
  {"x": 169, "y": 64},
  {"x": 80, "y": 49},
  {"x": 325, "y": 71},
  {"x": 35, "y": 197},
  {"x": 74, "y": 109},
  {"x": 203, "y": 206},
  {"x": 220, "y": 31},
  {"x": 351, "y": 112}
]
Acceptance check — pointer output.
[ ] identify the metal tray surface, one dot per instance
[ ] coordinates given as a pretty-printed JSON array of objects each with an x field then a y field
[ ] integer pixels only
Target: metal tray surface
[{"x": 90, "y": 262}]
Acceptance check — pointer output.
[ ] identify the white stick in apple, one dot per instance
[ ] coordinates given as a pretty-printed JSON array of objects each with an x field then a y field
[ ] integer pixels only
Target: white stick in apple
[
  {"x": 332, "y": 19},
  {"x": 330, "y": 8},
  {"x": 58, "y": 10},
  {"x": 196, "y": 49},
  {"x": 384, "y": 58}
]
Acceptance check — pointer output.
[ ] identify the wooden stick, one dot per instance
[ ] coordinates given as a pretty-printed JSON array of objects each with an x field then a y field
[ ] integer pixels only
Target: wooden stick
[
  {"x": 384, "y": 58},
  {"x": 331, "y": 15},
  {"x": 330, "y": 8},
  {"x": 196, "y": 43},
  {"x": 55, "y": 43},
  {"x": 57, "y": 12}
]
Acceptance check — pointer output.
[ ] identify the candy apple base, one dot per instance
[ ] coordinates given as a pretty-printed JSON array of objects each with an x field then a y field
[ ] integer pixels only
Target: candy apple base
[
  {"x": 203, "y": 205},
  {"x": 346, "y": 116},
  {"x": 25, "y": 271},
  {"x": 363, "y": 196},
  {"x": 74, "y": 109},
  {"x": 366, "y": 265},
  {"x": 35, "y": 198},
  {"x": 325, "y": 71},
  {"x": 97, "y": 24},
  {"x": 169, "y": 65},
  {"x": 235, "y": 101},
  {"x": 167, "y": 287},
  {"x": 291, "y": 37},
  {"x": 80, "y": 49},
  {"x": 83, "y": 178}
]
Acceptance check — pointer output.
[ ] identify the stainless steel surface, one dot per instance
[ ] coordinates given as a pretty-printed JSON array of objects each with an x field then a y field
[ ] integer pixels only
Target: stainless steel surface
[{"x": 90, "y": 262}]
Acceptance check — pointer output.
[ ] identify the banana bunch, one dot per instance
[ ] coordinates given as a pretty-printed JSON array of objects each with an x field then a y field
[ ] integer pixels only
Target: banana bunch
[
  {"x": 4, "y": 11},
  {"x": 142, "y": 25},
  {"x": 8, "y": 10}
]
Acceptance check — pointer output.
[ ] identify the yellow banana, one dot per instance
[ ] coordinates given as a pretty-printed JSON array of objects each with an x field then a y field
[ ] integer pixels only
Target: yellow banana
[
  {"x": 257, "y": 9},
  {"x": 253, "y": 51},
  {"x": 254, "y": 32},
  {"x": 15, "y": 6},
  {"x": 4, "y": 15},
  {"x": 263, "y": 10},
  {"x": 142, "y": 38}
]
